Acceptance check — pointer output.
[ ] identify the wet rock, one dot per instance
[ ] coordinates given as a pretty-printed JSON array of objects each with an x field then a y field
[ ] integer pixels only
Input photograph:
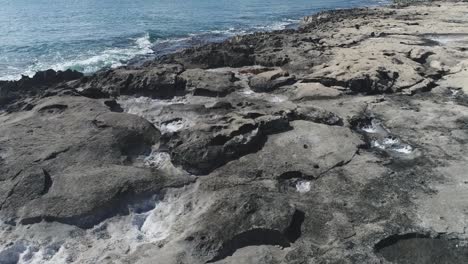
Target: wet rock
[
  {"x": 317, "y": 115},
  {"x": 161, "y": 81},
  {"x": 420, "y": 55},
  {"x": 226, "y": 54},
  {"x": 270, "y": 80},
  {"x": 322, "y": 170},
  {"x": 208, "y": 83},
  {"x": 41, "y": 84},
  {"x": 422, "y": 249},
  {"x": 309, "y": 149},
  {"x": 278, "y": 227},
  {"x": 219, "y": 104},
  {"x": 424, "y": 86},
  {"x": 203, "y": 150},
  {"x": 76, "y": 151}
]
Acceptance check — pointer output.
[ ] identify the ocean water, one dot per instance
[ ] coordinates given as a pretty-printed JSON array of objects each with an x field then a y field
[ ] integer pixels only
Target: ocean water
[{"x": 88, "y": 35}]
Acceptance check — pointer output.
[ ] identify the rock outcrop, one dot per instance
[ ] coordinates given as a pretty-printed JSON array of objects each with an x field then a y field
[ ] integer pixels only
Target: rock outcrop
[{"x": 342, "y": 141}]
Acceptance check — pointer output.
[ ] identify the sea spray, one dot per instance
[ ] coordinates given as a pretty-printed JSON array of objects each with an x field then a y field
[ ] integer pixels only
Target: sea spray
[{"x": 117, "y": 236}]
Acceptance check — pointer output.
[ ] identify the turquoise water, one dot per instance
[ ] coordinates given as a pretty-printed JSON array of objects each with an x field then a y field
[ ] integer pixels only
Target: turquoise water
[{"x": 88, "y": 35}]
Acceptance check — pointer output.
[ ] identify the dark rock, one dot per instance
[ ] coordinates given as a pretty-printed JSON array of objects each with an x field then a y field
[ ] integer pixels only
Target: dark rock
[
  {"x": 204, "y": 150},
  {"x": 270, "y": 80},
  {"x": 208, "y": 83},
  {"x": 422, "y": 249},
  {"x": 161, "y": 81},
  {"x": 79, "y": 153}
]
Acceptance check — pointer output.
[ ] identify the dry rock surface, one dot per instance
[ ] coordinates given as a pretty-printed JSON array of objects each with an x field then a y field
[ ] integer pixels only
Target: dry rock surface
[{"x": 343, "y": 141}]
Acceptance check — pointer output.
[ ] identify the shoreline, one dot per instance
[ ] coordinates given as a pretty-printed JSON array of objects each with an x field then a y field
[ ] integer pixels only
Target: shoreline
[
  {"x": 344, "y": 141},
  {"x": 163, "y": 50}
]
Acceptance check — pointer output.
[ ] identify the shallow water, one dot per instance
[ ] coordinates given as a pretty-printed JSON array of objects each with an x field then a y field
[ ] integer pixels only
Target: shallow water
[
  {"x": 88, "y": 35},
  {"x": 114, "y": 237}
]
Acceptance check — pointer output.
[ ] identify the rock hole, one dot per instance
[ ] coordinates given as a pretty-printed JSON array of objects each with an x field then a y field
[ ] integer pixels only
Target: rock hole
[
  {"x": 47, "y": 182},
  {"x": 293, "y": 232},
  {"x": 291, "y": 175},
  {"x": 416, "y": 248},
  {"x": 53, "y": 109},
  {"x": 11, "y": 255},
  {"x": 254, "y": 237},
  {"x": 114, "y": 106}
]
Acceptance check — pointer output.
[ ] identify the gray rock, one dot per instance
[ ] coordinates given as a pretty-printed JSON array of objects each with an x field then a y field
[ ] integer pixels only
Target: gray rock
[
  {"x": 70, "y": 159},
  {"x": 208, "y": 83},
  {"x": 161, "y": 81},
  {"x": 339, "y": 167},
  {"x": 270, "y": 80}
]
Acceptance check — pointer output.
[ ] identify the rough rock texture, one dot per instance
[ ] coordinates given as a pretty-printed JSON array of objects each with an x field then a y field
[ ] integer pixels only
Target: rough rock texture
[
  {"x": 161, "y": 81},
  {"x": 270, "y": 80},
  {"x": 69, "y": 159},
  {"x": 209, "y": 83},
  {"x": 344, "y": 141}
]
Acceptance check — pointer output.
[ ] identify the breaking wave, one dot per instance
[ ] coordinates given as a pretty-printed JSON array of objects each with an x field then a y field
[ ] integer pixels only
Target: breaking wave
[
  {"x": 89, "y": 63},
  {"x": 140, "y": 48}
]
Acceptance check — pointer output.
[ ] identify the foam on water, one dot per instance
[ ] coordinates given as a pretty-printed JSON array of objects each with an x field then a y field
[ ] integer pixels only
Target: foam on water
[
  {"x": 89, "y": 63},
  {"x": 34, "y": 255},
  {"x": 391, "y": 141},
  {"x": 449, "y": 38},
  {"x": 383, "y": 139},
  {"x": 173, "y": 126},
  {"x": 150, "y": 109},
  {"x": 373, "y": 128},
  {"x": 392, "y": 144},
  {"x": 157, "y": 159},
  {"x": 276, "y": 98},
  {"x": 303, "y": 186},
  {"x": 404, "y": 149},
  {"x": 116, "y": 236},
  {"x": 89, "y": 35}
]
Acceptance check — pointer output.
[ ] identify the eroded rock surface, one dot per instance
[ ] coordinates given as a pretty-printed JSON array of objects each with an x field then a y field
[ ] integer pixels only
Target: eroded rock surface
[{"x": 344, "y": 141}]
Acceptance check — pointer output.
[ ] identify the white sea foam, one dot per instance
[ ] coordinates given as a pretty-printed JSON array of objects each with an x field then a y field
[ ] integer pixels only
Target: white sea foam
[
  {"x": 280, "y": 25},
  {"x": 405, "y": 149},
  {"x": 157, "y": 159},
  {"x": 447, "y": 39},
  {"x": 247, "y": 91},
  {"x": 369, "y": 129},
  {"x": 33, "y": 255},
  {"x": 455, "y": 92},
  {"x": 150, "y": 109},
  {"x": 303, "y": 186},
  {"x": 173, "y": 126},
  {"x": 116, "y": 57},
  {"x": 373, "y": 128},
  {"x": 390, "y": 141},
  {"x": 117, "y": 236},
  {"x": 89, "y": 63},
  {"x": 393, "y": 144},
  {"x": 276, "y": 98}
]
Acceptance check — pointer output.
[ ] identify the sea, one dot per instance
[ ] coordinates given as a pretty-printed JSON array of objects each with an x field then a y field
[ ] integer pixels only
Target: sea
[{"x": 89, "y": 35}]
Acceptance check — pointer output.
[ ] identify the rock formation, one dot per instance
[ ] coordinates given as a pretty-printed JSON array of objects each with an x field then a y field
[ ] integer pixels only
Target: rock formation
[{"x": 342, "y": 141}]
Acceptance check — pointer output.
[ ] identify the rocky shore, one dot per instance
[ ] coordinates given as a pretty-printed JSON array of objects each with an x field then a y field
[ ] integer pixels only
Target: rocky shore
[{"x": 344, "y": 141}]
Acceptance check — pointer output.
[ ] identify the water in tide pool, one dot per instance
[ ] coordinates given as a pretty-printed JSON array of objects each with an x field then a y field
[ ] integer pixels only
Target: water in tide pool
[{"x": 88, "y": 35}]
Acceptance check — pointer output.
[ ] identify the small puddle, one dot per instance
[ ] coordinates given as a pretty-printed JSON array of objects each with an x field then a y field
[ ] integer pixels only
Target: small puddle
[
  {"x": 113, "y": 238},
  {"x": 422, "y": 249},
  {"x": 392, "y": 144},
  {"x": 150, "y": 109},
  {"x": 446, "y": 39},
  {"x": 380, "y": 137}
]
